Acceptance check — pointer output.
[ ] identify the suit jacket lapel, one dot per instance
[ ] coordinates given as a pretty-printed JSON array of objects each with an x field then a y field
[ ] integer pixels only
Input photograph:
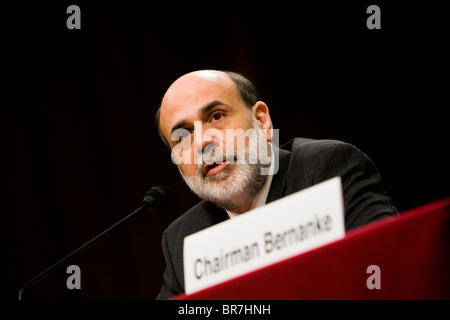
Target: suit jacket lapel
[
  {"x": 217, "y": 214},
  {"x": 277, "y": 188}
]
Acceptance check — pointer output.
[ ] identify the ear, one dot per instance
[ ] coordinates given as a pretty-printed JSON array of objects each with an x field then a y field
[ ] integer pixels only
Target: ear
[{"x": 261, "y": 112}]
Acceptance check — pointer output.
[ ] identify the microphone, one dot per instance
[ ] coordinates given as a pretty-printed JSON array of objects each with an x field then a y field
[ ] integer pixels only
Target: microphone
[{"x": 156, "y": 198}]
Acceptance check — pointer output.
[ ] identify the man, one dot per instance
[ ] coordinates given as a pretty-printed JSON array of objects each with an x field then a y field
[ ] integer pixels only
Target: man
[{"x": 198, "y": 112}]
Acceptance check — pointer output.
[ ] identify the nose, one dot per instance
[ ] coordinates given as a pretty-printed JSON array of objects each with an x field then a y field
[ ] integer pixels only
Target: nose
[
  {"x": 203, "y": 137},
  {"x": 203, "y": 141}
]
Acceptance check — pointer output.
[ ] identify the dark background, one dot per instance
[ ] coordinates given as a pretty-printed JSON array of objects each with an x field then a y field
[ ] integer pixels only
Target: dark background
[{"x": 79, "y": 144}]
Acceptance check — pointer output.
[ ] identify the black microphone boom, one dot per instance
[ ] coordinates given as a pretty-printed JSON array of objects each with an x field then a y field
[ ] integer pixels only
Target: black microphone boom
[{"x": 156, "y": 198}]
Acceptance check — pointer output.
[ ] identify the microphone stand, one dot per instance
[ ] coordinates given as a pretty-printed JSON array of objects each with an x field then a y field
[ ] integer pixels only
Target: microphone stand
[{"x": 148, "y": 203}]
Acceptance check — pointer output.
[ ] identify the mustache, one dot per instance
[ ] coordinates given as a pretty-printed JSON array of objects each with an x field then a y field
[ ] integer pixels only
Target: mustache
[{"x": 211, "y": 154}]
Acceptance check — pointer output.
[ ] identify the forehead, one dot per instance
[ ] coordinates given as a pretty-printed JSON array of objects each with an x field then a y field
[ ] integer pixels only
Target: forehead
[{"x": 191, "y": 92}]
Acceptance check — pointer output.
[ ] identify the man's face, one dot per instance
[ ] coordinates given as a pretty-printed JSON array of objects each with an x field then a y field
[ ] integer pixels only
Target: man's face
[
  {"x": 209, "y": 97},
  {"x": 210, "y": 103}
]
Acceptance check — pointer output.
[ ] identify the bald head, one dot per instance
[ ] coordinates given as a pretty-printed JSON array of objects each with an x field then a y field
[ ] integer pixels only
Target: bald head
[
  {"x": 198, "y": 82},
  {"x": 186, "y": 92}
]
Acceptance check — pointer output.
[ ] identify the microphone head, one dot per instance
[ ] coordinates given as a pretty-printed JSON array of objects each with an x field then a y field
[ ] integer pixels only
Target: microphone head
[{"x": 157, "y": 197}]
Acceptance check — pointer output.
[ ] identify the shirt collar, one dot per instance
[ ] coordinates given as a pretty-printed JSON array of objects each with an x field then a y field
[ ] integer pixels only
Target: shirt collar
[{"x": 261, "y": 198}]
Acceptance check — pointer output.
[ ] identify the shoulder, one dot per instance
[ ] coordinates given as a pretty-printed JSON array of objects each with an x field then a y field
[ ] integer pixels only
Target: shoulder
[
  {"x": 312, "y": 153},
  {"x": 314, "y": 161},
  {"x": 313, "y": 147},
  {"x": 202, "y": 215},
  {"x": 184, "y": 222}
]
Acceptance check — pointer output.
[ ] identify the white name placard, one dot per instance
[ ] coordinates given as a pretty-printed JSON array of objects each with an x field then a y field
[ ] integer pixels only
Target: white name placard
[{"x": 281, "y": 229}]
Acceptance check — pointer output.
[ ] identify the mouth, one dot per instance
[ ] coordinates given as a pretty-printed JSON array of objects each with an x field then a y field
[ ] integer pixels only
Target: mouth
[{"x": 214, "y": 168}]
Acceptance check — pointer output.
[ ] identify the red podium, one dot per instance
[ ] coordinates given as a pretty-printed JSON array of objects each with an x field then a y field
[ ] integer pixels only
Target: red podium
[{"x": 412, "y": 252}]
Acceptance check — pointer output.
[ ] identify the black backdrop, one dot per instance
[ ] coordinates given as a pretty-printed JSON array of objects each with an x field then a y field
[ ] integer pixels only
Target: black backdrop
[{"x": 79, "y": 144}]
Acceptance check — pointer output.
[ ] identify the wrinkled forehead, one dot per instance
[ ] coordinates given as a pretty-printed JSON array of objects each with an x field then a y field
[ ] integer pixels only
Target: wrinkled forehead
[{"x": 191, "y": 92}]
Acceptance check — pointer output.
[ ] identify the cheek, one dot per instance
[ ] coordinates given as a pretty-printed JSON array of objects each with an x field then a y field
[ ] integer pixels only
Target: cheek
[
  {"x": 238, "y": 138},
  {"x": 183, "y": 153},
  {"x": 189, "y": 170}
]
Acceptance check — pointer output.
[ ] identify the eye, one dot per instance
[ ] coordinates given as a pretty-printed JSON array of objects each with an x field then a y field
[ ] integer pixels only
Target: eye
[
  {"x": 180, "y": 134},
  {"x": 216, "y": 116}
]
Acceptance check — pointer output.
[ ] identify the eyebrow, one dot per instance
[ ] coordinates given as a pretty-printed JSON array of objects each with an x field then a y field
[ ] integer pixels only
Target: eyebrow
[{"x": 201, "y": 111}]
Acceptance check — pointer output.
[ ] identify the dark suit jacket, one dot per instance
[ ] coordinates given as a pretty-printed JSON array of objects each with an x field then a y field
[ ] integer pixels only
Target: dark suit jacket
[{"x": 302, "y": 163}]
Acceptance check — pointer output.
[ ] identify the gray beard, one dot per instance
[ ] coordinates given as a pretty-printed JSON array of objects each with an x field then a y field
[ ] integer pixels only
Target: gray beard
[{"x": 236, "y": 186}]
